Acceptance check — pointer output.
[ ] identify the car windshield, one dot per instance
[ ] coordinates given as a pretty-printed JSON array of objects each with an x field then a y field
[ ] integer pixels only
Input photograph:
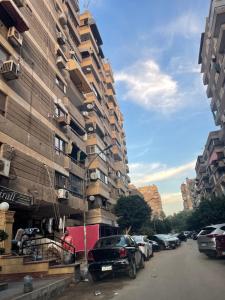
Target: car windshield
[
  {"x": 207, "y": 230},
  {"x": 138, "y": 238},
  {"x": 116, "y": 241}
]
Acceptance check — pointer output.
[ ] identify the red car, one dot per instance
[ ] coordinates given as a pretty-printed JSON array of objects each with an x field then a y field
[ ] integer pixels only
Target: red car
[{"x": 220, "y": 245}]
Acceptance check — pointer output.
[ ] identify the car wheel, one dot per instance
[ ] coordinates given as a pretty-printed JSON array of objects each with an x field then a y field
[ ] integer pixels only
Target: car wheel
[
  {"x": 152, "y": 254},
  {"x": 95, "y": 277},
  {"x": 142, "y": 263},
  {"x": 132, "y": 272}
]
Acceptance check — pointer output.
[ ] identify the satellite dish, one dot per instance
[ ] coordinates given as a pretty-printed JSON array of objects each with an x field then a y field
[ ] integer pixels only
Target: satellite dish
[
  {"x": 90, "y": 106},
  {"x": 92, "y": 198}
]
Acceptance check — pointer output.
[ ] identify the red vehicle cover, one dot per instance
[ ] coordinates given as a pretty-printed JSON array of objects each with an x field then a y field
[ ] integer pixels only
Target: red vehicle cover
[{"x": 77, "y": 233}]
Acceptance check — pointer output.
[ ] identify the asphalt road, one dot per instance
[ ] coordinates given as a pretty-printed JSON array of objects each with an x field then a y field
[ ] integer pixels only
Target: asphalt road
[{"x": 181, "y": 274}]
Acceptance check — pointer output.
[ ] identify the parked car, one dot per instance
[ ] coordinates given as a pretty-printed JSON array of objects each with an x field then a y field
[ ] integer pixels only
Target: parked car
[
  {"x": 182, "y": 237},
  {"x": 115, "y": 254},
  {"x": 162, "y": 242},
  {"x": 174, "y": 237},
  {"x": 220, "y": 245},
  {"x": 144, "y": 246},
  {"x": 207, "y": 239},
  {"x": 155, "y": 245}
]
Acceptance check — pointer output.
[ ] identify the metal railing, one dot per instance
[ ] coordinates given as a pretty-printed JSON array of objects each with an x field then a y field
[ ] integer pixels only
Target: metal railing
[{"x": 54, "y": 249}]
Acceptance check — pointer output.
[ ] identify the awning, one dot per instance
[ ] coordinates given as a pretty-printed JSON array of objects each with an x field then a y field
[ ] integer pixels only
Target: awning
[
  {"x": 11, "y": 16},
  {"x": 46, "y": 209}
]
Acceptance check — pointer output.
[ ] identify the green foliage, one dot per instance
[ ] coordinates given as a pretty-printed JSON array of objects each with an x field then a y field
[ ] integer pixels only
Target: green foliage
[
  {"x": 132, "y": 212},
  {"x": 178, "y": 222},
  {"x": 210, "y": 211}
]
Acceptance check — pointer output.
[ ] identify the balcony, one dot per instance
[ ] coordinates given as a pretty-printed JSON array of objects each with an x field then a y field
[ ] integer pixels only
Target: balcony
[
  {"x": 89, "y": 63},
  {"x": 74, "y": 111},
  {"x": 74, "y": 167},
  {"x": 117, "y": 153},
  {"x": 98, "y": 188},
  {"x": 78, "y": 77},
  {"x": 75, "y": 138},
  {"x": 217, "y": 17},
  {"x": 209, "y": 91},
  {"x": 77, "y": 203},
  {"x": 11, "y": 16},
  {"x": 98, "y": 163},
  {"x": 101, "y": 216}
]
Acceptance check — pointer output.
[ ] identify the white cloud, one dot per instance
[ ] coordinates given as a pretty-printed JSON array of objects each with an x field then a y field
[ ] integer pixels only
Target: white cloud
[
  {"x": 185, "y": 25},
  {"x": 182, "y": 65},
  {"x": 142, "y": 174},
  {"x": 149, "y": 87}
]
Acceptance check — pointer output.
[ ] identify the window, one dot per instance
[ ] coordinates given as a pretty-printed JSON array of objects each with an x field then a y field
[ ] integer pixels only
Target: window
[
  {"x": 3, "y": 54},
  {"x": 94, "y": 149},
  {"x": 61, "y": 181},
  {"x": 60, "y": 84},
  {"x": 59, "y": 112},
  {"x": 60, "y": 145},
  {"x": 76, "y": 185},
  {"x": 2, "y": 103}
]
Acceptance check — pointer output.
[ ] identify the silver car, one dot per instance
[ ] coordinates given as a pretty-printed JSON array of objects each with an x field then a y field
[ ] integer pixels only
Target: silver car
[
  {"x": 144, "y": 246},
  {"x": 207, "y": 239}
]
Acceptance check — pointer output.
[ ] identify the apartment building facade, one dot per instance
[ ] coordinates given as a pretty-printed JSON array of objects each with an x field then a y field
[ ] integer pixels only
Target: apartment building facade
[
  {"x": 104, "y": 125},
  {"x": 47, "y": 107},
  {"x": 210, "y": 165},
  {"x": 152, "y": 196}
]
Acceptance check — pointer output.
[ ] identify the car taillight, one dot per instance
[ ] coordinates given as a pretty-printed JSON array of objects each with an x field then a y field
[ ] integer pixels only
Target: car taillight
[
  {"x": 212, "y": 235},
  {"x": 90, "y": 256},
  {"x": 123, "y": 252},
  {"x": 141, "y": 244}
]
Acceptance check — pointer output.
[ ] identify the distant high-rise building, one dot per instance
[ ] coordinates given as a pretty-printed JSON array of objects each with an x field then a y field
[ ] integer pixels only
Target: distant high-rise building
[
  {"x": 188, "y": 193},
  {"x": 153, "y": 198},
  {"x": 133, "y": 191}
]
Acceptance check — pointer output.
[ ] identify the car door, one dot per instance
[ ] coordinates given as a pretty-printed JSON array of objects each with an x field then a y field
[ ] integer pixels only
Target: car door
[{"x": 137, "y": 252}]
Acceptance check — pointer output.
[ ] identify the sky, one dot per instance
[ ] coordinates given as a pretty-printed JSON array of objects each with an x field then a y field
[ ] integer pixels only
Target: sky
[{"x": 153, "y": 48}]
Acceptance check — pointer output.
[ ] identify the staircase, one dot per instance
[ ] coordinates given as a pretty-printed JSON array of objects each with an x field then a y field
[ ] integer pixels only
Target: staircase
[{"x": 41, "y": 257}]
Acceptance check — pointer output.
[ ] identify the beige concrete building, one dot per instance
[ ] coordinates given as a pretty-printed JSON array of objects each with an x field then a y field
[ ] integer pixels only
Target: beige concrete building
[
  {"x": 153, "y": 198},
  {"x": 133, "y": 191},
  {"x": 210, "y": 166},
  {"x": 57, "y": 104},
  {"x": 188, "y": 193}
]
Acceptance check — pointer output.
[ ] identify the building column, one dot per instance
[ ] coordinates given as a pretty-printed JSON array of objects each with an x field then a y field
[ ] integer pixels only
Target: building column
[{"x": 6, "y": 224}]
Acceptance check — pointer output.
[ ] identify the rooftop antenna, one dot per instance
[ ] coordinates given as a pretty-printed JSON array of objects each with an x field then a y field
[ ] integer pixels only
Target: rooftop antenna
[{"x": 86, "y": 4}]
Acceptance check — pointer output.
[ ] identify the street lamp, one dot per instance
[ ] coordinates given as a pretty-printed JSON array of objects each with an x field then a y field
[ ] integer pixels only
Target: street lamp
[{"x": 84, "y": 199}]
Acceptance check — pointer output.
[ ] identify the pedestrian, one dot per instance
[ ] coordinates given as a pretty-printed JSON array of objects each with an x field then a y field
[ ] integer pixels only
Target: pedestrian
[{"x": 67, "y": 244}]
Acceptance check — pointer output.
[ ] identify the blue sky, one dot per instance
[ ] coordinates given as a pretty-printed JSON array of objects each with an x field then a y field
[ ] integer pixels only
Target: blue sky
[{"x": 153, "y": 48}]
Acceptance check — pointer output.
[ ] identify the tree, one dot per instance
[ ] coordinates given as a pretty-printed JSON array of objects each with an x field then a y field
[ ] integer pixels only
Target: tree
[
  {"x": 132, "y": 212},
  {"x": 210, "y": 211}
]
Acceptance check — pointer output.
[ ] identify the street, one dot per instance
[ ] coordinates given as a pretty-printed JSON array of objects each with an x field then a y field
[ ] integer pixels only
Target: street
[{"x": 180, "y": 274}]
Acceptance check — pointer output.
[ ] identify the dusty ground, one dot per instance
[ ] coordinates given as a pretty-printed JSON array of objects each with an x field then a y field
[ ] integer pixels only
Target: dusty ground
[{"x": 181, "y": 274}]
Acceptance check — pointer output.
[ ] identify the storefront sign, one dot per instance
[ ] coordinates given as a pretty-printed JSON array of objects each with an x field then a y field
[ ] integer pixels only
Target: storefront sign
[{"x": 14, "y": 197}]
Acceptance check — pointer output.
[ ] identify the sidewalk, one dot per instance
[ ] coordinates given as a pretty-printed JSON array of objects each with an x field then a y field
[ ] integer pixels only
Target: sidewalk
[{"x": 43, "y": 289}]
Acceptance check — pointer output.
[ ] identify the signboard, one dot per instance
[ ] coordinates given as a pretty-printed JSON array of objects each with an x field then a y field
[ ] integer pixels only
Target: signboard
[{"x": 14, "y": 197}]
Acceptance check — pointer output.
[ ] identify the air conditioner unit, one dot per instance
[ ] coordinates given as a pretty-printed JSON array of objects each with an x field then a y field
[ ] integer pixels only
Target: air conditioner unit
[
  {"x": 85, "y": 113},
  {"x": 93, "y": 176},
  {"x": 20, "y": 3},
  {"x": 62, "y": 120},
  {"x": 63, "y": 194},
  {"x": 62, "y": 19},
  {"x": 4, "y": 167},
  {"x": 61, "y": 38},
  {"x": 14, "y": 37},
  {"x": 61, "y": 63},
  {"x": 10, "y": 70}
]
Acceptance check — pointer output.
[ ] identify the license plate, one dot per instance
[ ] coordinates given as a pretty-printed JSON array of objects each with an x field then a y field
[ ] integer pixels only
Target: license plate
[
  {"x": 203, "y": 244},
  {"x": 106, "y": 268}
]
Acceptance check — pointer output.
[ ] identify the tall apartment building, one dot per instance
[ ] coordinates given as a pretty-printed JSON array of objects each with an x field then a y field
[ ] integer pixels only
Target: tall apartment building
[
  {"x": 188, "y": 193},
  {"x": 210, "y": 166},
  {"x": 108, "y": 175},
  {"x": 152, "y": 197},
  {"x": 57, "y": 109},
  {"x": 133, "y": 191}
]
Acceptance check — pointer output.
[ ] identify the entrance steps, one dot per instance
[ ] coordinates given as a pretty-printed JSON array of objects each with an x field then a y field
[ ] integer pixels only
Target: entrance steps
[{"x": 15, "y": 267}]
